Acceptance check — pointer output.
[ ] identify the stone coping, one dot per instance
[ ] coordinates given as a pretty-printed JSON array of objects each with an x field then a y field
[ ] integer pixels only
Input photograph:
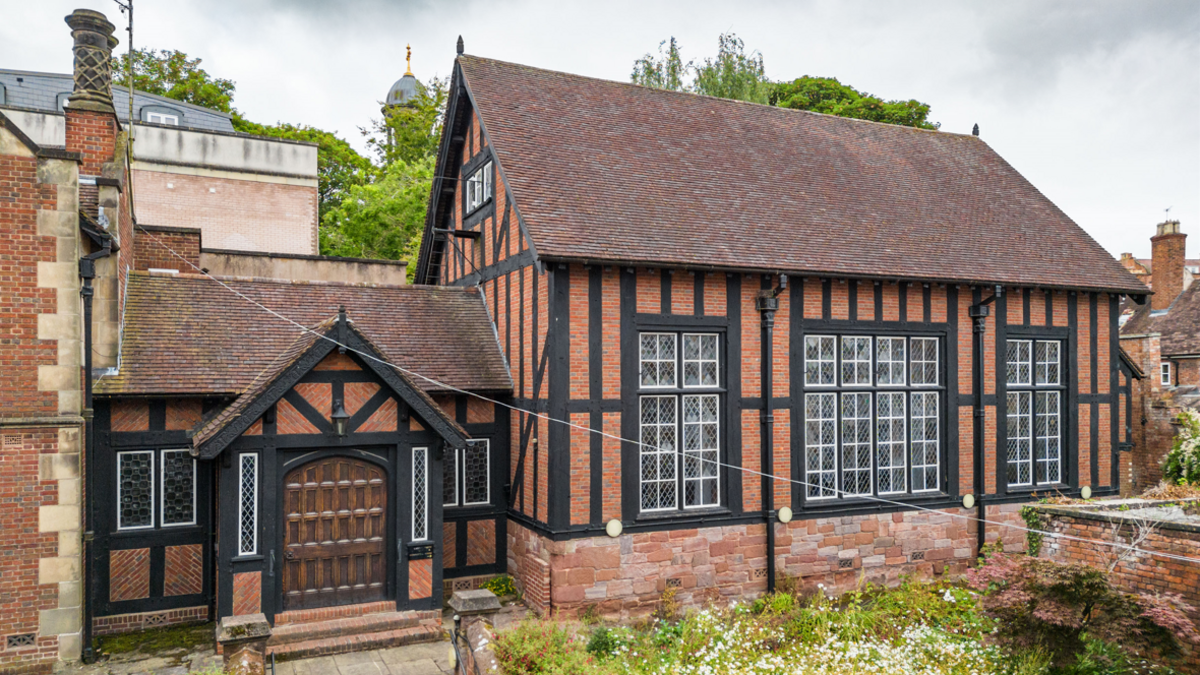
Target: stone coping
[{"x": 1110, "y": 511}]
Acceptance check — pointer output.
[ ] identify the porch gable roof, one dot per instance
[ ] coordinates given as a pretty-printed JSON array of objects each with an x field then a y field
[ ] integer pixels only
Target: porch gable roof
[{"x": 305, "y": 352}]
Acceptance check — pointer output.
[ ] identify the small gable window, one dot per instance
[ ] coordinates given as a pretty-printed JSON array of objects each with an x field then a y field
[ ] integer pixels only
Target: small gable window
[
  {"x": 479, "y": 187},
  {"x": 1165, "y": 374}
]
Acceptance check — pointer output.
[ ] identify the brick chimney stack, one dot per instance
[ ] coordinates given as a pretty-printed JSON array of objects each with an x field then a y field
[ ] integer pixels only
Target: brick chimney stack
[
  {"x": 1168, "y": 247},
  {"x": 94, "y": 42}
]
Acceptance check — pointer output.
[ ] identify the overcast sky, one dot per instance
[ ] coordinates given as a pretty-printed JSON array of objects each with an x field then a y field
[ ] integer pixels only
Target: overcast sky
[{"x": 1096, "y": 102}]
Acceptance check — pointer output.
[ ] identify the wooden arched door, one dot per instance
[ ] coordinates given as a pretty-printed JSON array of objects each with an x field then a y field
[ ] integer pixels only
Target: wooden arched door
[{"x": 335, "y": 534}]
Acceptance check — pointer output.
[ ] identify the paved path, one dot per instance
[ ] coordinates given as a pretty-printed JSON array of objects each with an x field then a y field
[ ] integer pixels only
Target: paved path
[{"x": 431, "y": 658}]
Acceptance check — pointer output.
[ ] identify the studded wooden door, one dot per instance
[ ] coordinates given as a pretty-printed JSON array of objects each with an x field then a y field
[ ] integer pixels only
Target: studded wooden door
[{"x": 334, "y": 534}]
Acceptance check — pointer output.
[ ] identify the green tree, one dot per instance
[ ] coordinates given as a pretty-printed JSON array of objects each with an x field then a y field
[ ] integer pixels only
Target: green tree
[
  {"x": 734, "y": 73},
  {"x": 382, "y": 219},
  {"x": 666, "y": 71},
  {"x": 174, "y": 75},
  {"x": 339, "y": 166},
  {"x": 827, "y": 95},
  {"x": 411, "y": 131}
]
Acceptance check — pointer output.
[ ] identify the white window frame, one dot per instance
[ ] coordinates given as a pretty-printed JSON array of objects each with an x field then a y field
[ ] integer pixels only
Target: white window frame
[
  {"x": 891, "y": 362},
  {"x": 856, "y": 364},
  {"x": 813, "y": 474},
  {"x": 153, "y": 488},
  {"x": 1043, "y": 365},
  {"x": 924, "y": 440},
  {"x": 855, "y": 445},
  {"x": 658, "y": 360},
  {"x": 162, "y": 507},
  {"x": 479, "y": 187},
  {"x": 1013, "y": 367},
  {"x": 1023, "y": 456},
  {"x": 681, "y": 441},
  {"x": 1164, "y": 374},
  {"x": 424, "y": 452},
  {"x": 487, "y": 451},
  {"x": 242, "y": 502},
  {"x": 1027, "y": 391},
  {"x": 1040, "y": 440},
  {"x": 700, "y": 362},
  {"x": 921, "y": 365},
  {"x": 901, "y": 440},
  {"x": 821, "y": 363},
  {"x": 162, "y": 118},
  {"x": 658, "y": 452}
]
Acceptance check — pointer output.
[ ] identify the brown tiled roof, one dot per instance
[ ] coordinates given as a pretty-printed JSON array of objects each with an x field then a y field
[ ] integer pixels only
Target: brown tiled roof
[
  {"x": 1179, "y": 326},
  {"x": 608, "y": 171},
  {"x": 188, "y": 334}
]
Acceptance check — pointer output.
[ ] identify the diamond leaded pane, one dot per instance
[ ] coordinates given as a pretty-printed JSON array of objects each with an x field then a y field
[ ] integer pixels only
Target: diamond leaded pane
[
  {"x": 700, "y": 450},
  {"x": 924, "y": 358},
  {"x": 1018, "y": 362},
  {"x": 135, "y": 487},
  {"x": 820, "y": 360},
  {"x": 248, "y": 504},
  {"x": 856, "y": 444},
  {"x": 1046, "y": 354},
  {"x": 1020, "y": 438},
  {"x": 699, "y": 360},
  {"x": 820, "y": 445},
  {"x": 657, "y": 352},
  {"x": 450, "y": 478},
  {"x": 889, "y": 442},
  {"x": 420, "y": 509},
  {"x": 179, "y": 488},
  {"x": 1049, "y": 458},
  {"x": 475, "y": 472},
  {"x": 889, "y": 361},
  {"x": 658, "y": 423},
  {"x": 856, "y": 361},
  {"x": 924, "y": 443}
]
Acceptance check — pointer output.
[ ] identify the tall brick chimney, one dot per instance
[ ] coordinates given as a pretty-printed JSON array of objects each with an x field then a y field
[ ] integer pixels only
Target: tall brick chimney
[
  {"x": 1168, "y": 247},
  {"x": 94, "y": 42}
]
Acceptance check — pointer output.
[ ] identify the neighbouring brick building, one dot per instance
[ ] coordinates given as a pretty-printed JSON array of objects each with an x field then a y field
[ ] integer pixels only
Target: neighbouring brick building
[
  {"x": 1162, "y": 338},
  {"x": 731, "y": 286}
]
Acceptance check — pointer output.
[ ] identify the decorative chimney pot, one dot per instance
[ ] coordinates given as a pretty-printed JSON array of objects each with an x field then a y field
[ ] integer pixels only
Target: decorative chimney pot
[{"x": 94, "y": 42}]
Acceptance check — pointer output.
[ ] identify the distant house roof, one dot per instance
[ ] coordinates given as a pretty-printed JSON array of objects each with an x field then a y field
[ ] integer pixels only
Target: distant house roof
[
  {"x": 611, "y": 172},
  {"x": 47, "y": 91},
  {"x": 1178, "y": 326},
  {"x": 186, "y": 334}
]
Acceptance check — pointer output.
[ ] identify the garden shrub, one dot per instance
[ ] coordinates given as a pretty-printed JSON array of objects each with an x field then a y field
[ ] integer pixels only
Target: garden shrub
[
  {"x": 603, "y": 642},
  {"x": 501, "y": 585},
  {"x": 542, "y": 648},
  {"x": 1182, "y": 464},
  {"x": 1063, "y": 607}
]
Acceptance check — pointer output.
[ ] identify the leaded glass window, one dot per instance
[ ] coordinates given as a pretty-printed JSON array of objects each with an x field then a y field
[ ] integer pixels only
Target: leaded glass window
[
  {"x": 420, "y": 501},
  {"x": 820, "y": 360},
  {"x": 658, "y": 359},
  {"x": 889, "y": 442},
  {"x": 135, "y": 489},
  {"x": 679, "y": 420},
  {"x": 924, "y": 361},
  {"x": 856, "y": 444},
  {"x": 476, "y": 460},
  {"x": 247, "y": 504},
  {"x": 701, "y": 427},
  {"x": 1034, "y": 400},
  {"x": 820, "y": 445},
  {"x": 450, "y": 478},
  {"x": 925, "y": 437},
  {"x": 856, "y": 361},
  {"x": 178, "y": 488},
  {"x": 889, "y": 361},
  {"x": 700, "y": 360}
]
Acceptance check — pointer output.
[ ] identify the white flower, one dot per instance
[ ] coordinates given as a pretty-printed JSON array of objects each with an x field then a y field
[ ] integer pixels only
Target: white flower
[{"x": 949, "y": 597}]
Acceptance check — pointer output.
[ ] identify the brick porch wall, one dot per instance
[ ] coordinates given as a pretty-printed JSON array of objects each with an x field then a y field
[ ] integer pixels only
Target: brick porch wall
[{"x": 626, "y": 576}]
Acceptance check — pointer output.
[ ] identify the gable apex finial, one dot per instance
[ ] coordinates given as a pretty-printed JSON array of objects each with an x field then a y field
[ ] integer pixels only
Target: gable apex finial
[
  {"x": 460, "y": 45},
  {"x": 341, "y": 332},
  {"x": 975, "y": 130},
  {"x": 408, "y": 60}
]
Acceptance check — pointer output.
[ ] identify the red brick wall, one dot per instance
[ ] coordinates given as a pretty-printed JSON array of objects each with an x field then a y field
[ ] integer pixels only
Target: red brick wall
[
  {"x": 420, "y": 579},
  {"x": 134, "y": 623},
  {"x": 183, "y": 570},
  {"x": 129, "y": 574},
  {"x": 93, "y": 135},
  {"x": 153, "y": 247},
  {"x": 247, "y": 593}
]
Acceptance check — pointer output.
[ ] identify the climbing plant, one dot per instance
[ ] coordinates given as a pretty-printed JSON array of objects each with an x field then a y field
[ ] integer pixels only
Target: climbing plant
[{"x": 1182, "y": 464}]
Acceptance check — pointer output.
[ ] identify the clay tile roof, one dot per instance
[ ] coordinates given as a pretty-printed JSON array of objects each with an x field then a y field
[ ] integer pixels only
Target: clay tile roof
[
  {"x": 186, "y": 334},
  {"x": 607, "y": 171},
  {"x": 1179, "y": 326}
]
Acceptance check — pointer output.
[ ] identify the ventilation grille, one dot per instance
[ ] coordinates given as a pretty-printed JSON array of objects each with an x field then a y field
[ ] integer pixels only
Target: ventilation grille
[
  {"x": 21, "y": 641},
  {"x": 918, "y": 555},
  {"x": 154, "y": 619},
  {"x": 12, "y": 440},
  {"x": 845, "y": 563},
  {"x": 678, "y": 583}
]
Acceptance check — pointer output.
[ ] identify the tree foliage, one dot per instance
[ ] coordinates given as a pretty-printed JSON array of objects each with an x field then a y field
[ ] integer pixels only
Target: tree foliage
[
  {"x": 741, "y": 75},
  {"x": 172, "y": 74},
  {"x": 827, "y": 95},
  {"x": 383, "y": 218},
  {"x": 412, "y": 131}
]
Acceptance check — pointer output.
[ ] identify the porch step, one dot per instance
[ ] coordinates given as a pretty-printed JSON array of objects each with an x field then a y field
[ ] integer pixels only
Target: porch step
[
  {"x": 349, "y": 634},
  {"x": 354, "y": 642}
]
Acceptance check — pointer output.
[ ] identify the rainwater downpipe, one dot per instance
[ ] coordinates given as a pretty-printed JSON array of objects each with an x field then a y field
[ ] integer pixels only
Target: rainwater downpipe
[
  {"x": 87, "y": 272},
  {"x": 767, "y": 304},
  {"x": 979, "y": 314}
]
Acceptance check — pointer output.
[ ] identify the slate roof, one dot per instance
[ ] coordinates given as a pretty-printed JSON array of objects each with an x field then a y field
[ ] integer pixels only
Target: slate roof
[
  {"x": 613, "y": 172},
  {"x": 186, "y": 334},
  {"x": 41, "y": 91},
  {"x": 1179, "y": 326}
]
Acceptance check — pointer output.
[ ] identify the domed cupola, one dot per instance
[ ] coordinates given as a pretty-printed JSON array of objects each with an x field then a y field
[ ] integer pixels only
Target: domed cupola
[{"x": 405, "y": 88}]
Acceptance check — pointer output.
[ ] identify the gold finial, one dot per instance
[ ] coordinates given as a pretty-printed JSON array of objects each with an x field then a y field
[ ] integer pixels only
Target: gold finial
[{"x": 409, "y": 60}]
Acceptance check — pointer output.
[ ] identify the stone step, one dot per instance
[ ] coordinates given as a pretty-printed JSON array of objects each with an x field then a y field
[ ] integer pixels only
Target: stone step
[
  {"x": 353, "y": 625},
  {"x": 356, "y": 642}
]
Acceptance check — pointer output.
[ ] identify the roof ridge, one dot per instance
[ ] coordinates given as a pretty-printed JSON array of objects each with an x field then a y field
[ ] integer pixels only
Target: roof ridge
[
  {"x": 718, "y": 98},
  {"x": 298, "y": 282}
]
